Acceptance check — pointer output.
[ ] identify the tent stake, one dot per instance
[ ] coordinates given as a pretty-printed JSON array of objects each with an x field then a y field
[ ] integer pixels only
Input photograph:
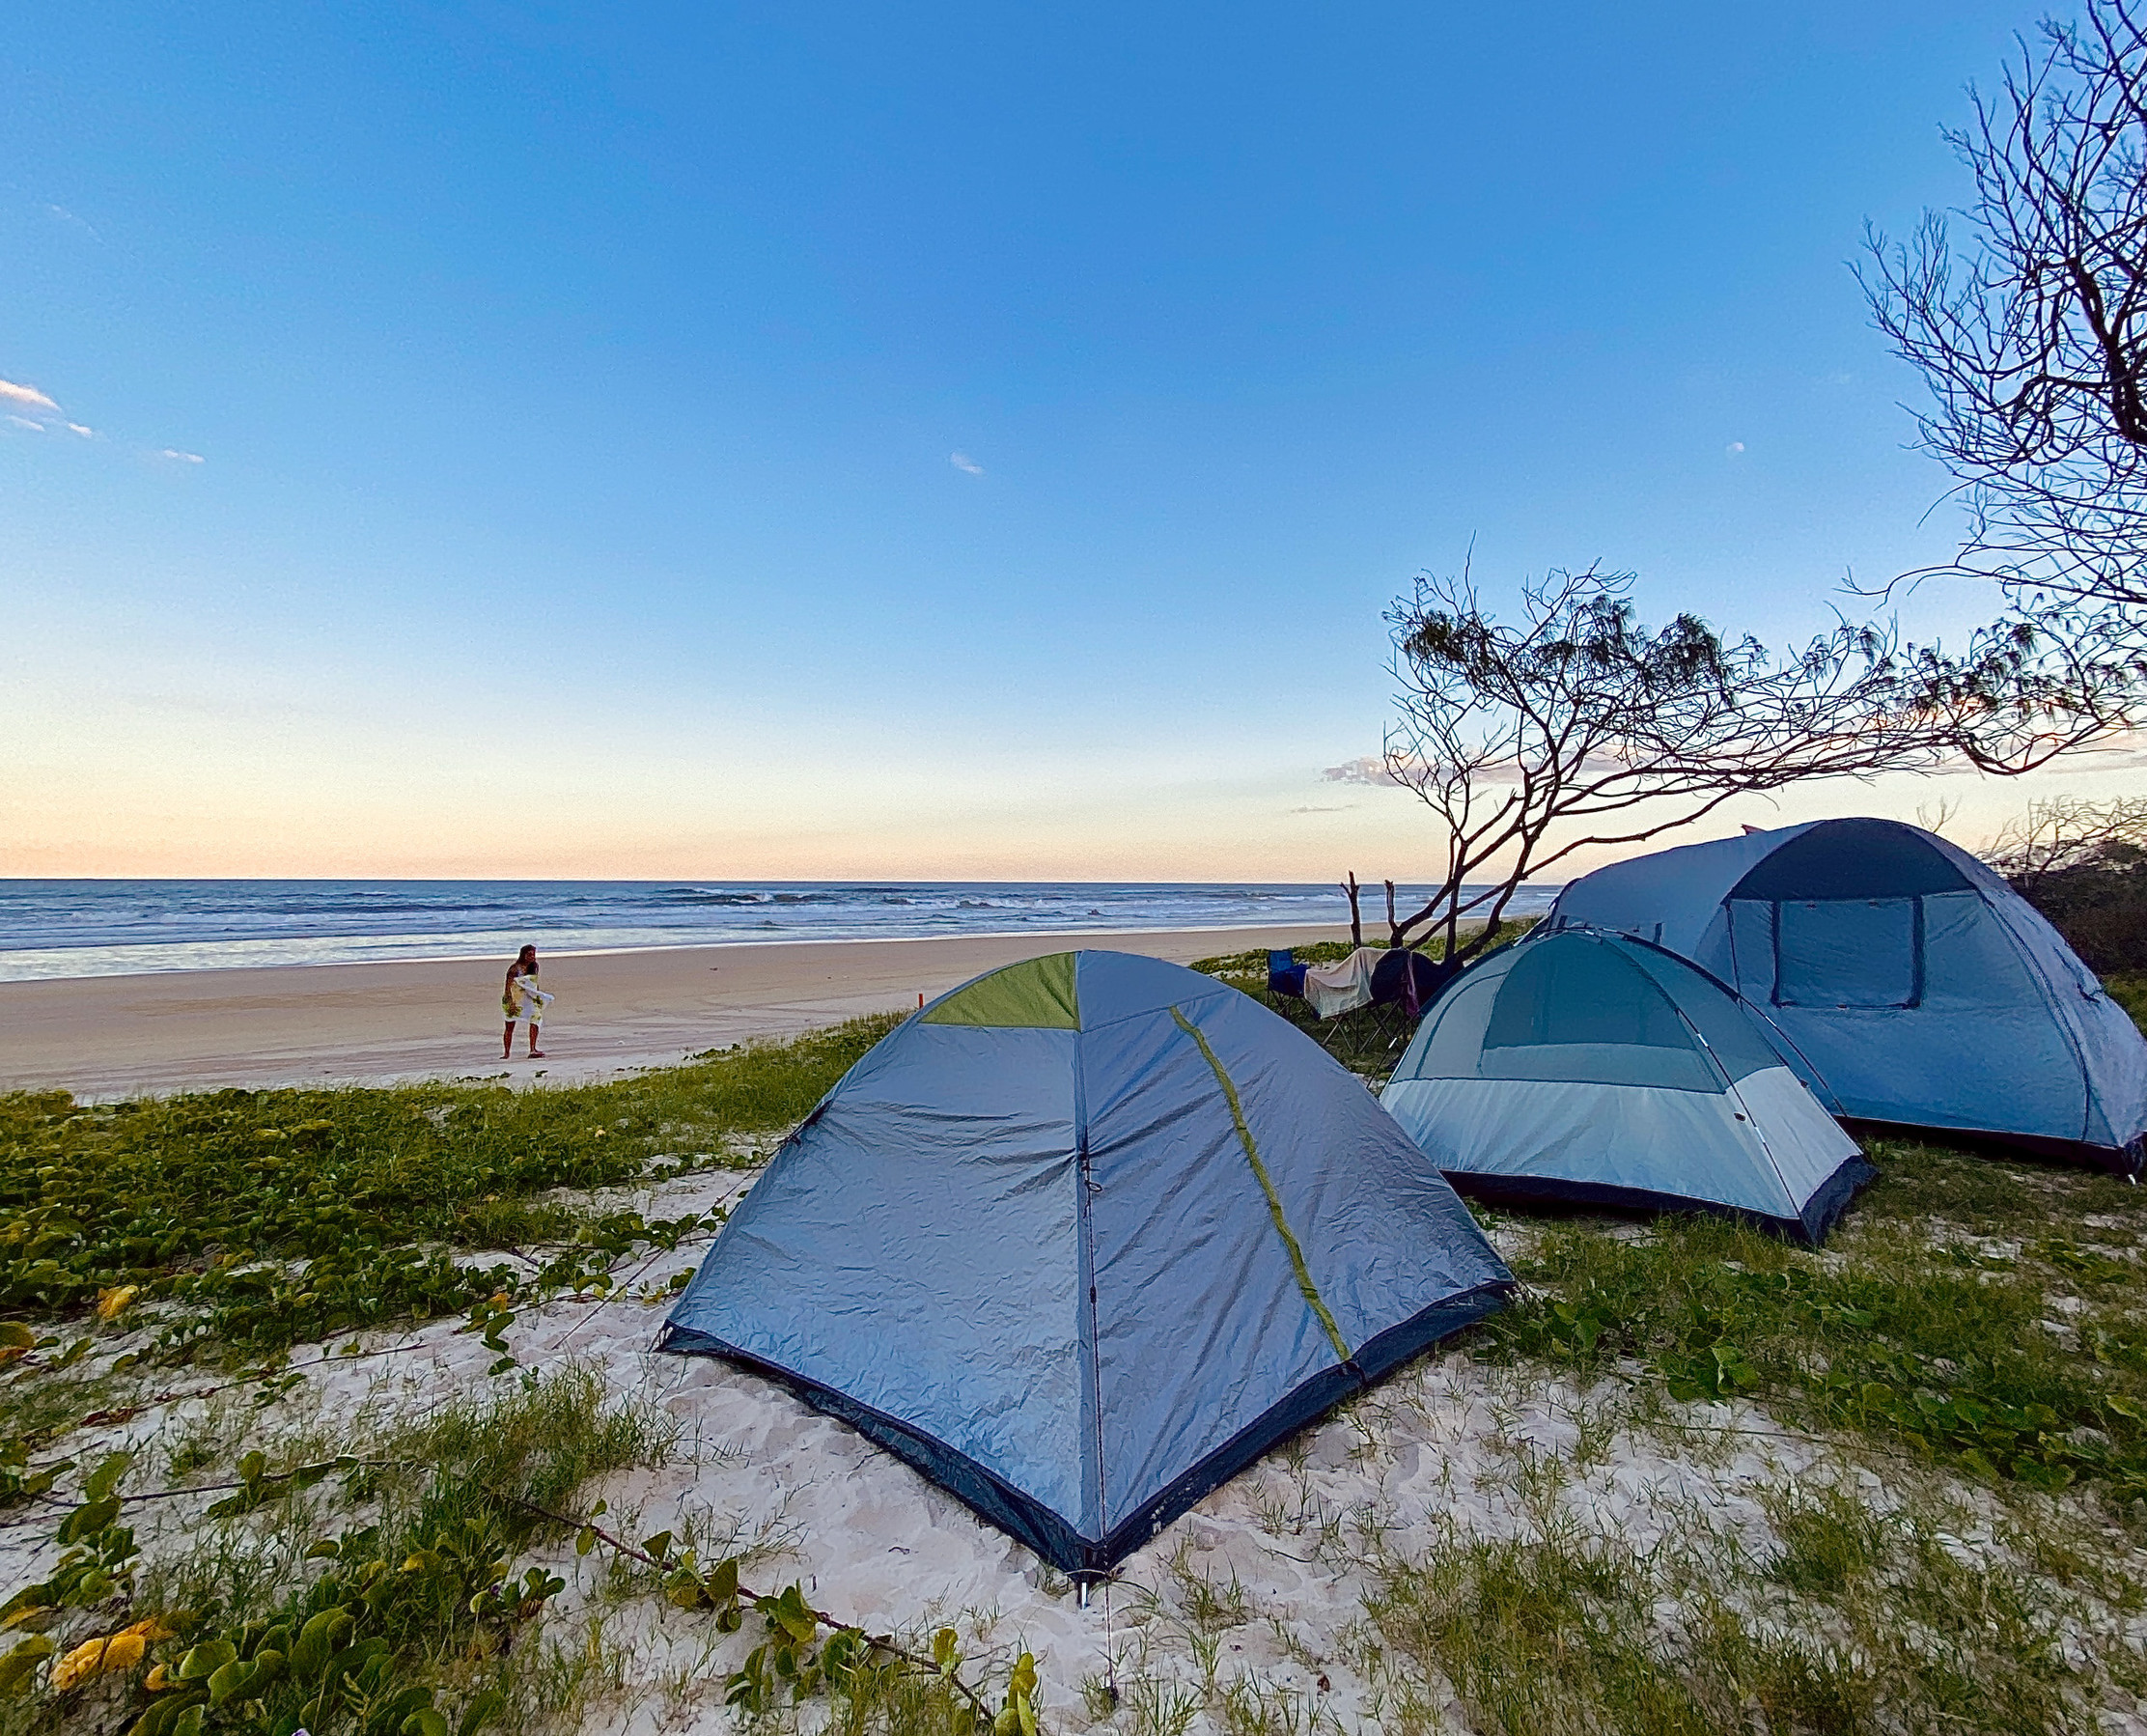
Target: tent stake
[{"x": 1111, "y": 1646}]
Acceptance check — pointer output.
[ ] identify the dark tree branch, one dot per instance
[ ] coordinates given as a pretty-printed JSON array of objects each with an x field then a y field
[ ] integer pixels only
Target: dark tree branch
[{"x": 2032, "y": 339}]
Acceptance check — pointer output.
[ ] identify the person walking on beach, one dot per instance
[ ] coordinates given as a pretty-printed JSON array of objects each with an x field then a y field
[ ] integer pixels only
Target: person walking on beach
[{"x": 523, "y": 1000}]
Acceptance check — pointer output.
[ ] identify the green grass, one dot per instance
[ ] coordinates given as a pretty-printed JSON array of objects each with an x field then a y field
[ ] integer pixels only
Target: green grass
[
  {"x": 1966, "y": 1312},
  {"x": 2129, "y": 989},
  {"x": 406, "y": 1586},
  {"x": 1860, "y": 1620},
  {"x": 274, "y": 1217},
  {"x": 410, "y": 1572},
  {"x": 1254, "y": 964}
]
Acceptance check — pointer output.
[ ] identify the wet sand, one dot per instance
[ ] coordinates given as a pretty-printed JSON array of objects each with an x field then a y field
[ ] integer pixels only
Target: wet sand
[{"x": 121, "y": 1036}]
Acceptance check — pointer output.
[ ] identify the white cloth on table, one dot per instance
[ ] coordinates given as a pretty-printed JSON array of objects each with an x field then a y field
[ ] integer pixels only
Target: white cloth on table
[{"x": 1342, "y": 987}]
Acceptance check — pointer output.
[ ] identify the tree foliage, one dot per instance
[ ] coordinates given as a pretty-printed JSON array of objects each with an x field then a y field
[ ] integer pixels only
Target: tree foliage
[{"x": 2068, "y": 832}]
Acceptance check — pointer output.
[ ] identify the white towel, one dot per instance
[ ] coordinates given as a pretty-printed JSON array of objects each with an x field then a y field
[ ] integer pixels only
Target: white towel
[
  {"x": 526, "y": 1000},
  {"x": 1342, "y": 987}
]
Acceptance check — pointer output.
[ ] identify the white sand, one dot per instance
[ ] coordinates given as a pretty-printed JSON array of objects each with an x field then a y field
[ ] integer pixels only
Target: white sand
[
  {"x": 1443, "y": 1446},
  {"x": 119, "y": 1036}
]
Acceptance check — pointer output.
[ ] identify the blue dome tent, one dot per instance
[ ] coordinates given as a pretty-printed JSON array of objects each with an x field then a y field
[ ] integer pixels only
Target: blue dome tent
[
  {"x": 1913, "y": 985},
  {"x": 1590, "y": 1068},
  {"x": 1084, "y": 1238}
]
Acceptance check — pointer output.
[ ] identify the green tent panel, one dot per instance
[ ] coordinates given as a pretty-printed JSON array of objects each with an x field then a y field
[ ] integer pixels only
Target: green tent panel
[{"x": 1035, "y": 995}]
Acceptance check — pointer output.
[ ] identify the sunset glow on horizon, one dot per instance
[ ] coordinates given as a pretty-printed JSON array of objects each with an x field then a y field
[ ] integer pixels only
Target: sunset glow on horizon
[{"x": 979, "y": 446}]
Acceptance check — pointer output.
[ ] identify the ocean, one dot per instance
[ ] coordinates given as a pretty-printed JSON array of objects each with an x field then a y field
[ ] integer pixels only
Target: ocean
[{"x": 63, "y": 928}]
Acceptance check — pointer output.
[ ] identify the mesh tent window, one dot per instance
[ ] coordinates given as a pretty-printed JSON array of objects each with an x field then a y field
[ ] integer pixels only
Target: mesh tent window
[{"x": 1587, "y": 1014}]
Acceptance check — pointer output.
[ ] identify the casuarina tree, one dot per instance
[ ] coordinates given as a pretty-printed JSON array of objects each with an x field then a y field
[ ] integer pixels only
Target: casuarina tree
[{"x": 1575, "y": 726}]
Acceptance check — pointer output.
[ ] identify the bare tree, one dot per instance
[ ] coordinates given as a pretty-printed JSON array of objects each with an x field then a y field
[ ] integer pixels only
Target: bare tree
[
  {"x": 1937, "y": 816},
  {"x": 1577, "y": 727},
  {"x": 1350, "y": 892},
  {"x": 2032, "y": 338},
  {"x": 2065, "y": 833}
]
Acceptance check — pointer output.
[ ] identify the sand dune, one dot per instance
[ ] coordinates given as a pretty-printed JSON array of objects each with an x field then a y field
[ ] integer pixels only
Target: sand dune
[{"x": 1281, "y": 1558}]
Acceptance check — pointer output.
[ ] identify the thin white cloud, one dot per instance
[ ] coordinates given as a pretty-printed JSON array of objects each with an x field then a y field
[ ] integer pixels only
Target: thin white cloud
[
  {"x": 183, "y": 457},
  {"x": 1369, "y": 769},
  {"x": 1374, "y": 772},
  {"x": 28, "y": 395},
  {"x": 66, "y": 216},
  {"x": 964, "y": 463},
  {"x": 1735, "y": 446},
  {"x": 28, "y": 407}
]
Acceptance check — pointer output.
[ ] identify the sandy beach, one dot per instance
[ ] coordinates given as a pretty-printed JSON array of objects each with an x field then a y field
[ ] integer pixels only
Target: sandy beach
[
  {"x": 119, "y": 1036},
  {"x": 1285, "y": 1546},
  {"x": 1306, "y": 1595},
  {"x": 1689, "y": 1517}
]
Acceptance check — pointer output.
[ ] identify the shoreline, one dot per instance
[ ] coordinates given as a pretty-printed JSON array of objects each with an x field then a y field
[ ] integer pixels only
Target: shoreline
[
  {"x": 606, "y": 952},
  {"x": 397, "y": 1021}
]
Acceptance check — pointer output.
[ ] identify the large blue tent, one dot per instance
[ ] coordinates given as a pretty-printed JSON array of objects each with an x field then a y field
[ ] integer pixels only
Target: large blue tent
[
  {"x": 1084, "y": 1238},
  {"x": 1592, "y": 1068},
  {"x": 1913, "y": 985}
]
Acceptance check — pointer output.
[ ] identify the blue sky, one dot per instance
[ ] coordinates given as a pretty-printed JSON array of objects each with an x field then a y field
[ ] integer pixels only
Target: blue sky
[{"x": 926, "y": 442}]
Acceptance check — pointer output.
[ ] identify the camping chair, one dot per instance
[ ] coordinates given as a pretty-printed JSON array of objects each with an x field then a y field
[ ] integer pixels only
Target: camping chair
[
  {"x": 1404, "y": 983},
  {"x": 1285, "y": 975}
]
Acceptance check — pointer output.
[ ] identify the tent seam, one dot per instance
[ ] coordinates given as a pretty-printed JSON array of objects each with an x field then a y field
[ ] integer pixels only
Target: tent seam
[
  {"x": 1092, "y": 1332},
  {"x": 1311, "y": 1291},
  {"x": 2060, "y": 1014},
  {"x": 1729, "y": 1086},
  {"x": 1766, "y": 1148},
  {"x": 1761, "y": 1018}
]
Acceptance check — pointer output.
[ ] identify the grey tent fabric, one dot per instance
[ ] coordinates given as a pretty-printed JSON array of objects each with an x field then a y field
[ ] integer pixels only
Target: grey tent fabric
[
  {"x": 1084, "y": 1238},
  {"x": 1913, "y": 987},
  {"x": 1593, "y": 1068}
]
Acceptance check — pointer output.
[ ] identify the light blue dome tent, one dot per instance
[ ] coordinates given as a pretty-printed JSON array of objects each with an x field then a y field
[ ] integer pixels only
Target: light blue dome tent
[
  {"x": 1592, "y": 1069},
  {"x": 1914, "y": 986},
  {"x": 1084, "y": 1238}
]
